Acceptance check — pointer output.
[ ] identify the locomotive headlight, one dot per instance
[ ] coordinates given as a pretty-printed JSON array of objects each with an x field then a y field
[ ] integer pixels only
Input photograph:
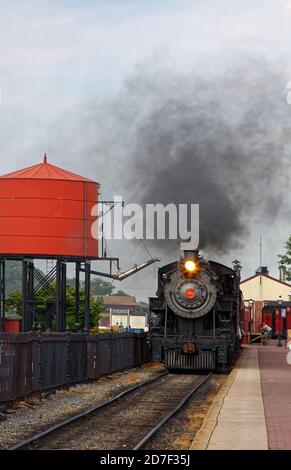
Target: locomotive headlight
[{"x": 190, "y": 266}]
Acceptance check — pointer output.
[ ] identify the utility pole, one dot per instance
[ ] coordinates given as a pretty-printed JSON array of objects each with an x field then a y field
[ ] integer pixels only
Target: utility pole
[{"x": 261, "y": 252}]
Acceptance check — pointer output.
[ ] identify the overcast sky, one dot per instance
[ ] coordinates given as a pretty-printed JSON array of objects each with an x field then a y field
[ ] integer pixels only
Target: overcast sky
[{"x": 63, "y": 63}]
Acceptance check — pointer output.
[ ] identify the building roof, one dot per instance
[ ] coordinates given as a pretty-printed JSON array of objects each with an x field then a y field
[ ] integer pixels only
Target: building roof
[
  {"x": 118, "y": 300},
  {"x": 266, "y": 276},
  {"x": 12, "y": 316},
  {"x": 45, "y": 170}
]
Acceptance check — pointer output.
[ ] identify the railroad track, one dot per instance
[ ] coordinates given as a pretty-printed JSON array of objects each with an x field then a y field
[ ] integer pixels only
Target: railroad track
[{"x": 127, "y": 421}]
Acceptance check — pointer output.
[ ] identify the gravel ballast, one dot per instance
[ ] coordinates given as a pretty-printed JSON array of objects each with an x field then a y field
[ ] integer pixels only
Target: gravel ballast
[{"x": 34, "y": 415}]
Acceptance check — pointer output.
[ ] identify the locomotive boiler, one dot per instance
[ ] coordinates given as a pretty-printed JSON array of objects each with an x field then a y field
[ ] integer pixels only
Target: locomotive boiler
[{"x": 195, "y": 316}]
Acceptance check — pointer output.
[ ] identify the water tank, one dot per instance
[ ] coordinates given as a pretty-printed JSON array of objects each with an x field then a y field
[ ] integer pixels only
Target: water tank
[{"x": 45, "y": 211}]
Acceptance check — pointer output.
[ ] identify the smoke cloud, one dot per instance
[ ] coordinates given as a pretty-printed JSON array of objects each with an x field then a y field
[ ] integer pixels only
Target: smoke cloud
[{"x": 219, "y": 139}]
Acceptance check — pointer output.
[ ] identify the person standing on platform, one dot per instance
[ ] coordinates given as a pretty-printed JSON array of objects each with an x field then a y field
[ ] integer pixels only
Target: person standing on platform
[
  {"x": 264, "y": 335},
  {"x": 269, "y": 329}
]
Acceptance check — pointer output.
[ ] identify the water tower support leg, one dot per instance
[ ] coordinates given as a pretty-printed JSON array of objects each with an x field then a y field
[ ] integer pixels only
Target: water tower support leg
[
  {"x": 87, "y": 294},
  {"x": 61, "y": 296},
  {"x": 30, "y": 288},
  {"x": 77, "y": 298},
  {"x": 27, "y": 294},
  {"x": 2, "y": 295}
]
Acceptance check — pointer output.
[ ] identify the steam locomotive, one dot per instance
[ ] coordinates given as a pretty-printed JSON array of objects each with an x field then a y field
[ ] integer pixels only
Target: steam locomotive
[{"x": 194, "y": 319}]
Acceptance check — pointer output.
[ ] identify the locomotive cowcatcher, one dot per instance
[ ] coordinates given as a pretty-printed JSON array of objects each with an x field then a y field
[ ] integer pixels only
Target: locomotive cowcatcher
[{"x": 194, "y": 319}]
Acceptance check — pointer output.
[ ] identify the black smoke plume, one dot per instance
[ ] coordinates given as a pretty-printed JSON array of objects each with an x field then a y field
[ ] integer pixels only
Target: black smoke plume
[
  {"x": 219, "y": 137},
  {"x": 222, "y": 141}
]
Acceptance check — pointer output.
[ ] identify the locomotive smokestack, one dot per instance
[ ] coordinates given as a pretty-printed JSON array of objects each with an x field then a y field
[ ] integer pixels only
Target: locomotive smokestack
[{"x": 191, "y": 254}]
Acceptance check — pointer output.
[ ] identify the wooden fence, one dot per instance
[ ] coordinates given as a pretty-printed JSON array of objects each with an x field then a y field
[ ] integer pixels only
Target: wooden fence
[{"x": 36, "y": 362}]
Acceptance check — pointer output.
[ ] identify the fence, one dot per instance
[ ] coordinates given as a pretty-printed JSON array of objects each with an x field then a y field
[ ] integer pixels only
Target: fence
[{"x": 35, "y": 362}]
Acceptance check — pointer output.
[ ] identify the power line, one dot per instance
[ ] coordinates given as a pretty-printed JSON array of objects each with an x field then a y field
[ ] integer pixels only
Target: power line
[{"x": 146, "y": 248}]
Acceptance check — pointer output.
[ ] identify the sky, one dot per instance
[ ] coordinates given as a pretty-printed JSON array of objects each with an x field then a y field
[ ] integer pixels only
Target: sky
[{"x": 67, "y": 68}]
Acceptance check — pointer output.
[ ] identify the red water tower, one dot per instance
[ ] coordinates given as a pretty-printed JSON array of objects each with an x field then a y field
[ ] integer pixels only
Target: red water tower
[{"x": 46, "y": 211}]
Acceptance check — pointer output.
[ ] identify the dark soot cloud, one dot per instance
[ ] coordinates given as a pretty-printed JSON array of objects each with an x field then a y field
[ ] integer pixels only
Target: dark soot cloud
[{"x": 220, "y": 141}]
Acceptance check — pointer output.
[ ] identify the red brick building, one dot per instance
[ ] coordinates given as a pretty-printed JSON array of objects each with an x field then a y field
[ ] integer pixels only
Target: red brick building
[{"x": 262, "y": 293}]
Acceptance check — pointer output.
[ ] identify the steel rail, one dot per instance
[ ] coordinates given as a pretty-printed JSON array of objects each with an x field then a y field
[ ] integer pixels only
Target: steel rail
[
  {"x": 172, "y": 413},
  {"x": 63, "y": 424}
]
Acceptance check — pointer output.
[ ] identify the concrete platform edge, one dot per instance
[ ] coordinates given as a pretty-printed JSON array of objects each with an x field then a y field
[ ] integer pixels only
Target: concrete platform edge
[{"x": 203, "y": 436}]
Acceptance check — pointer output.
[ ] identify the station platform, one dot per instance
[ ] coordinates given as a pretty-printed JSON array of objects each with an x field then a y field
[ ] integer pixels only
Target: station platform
[{"x": 252, "y": 410}]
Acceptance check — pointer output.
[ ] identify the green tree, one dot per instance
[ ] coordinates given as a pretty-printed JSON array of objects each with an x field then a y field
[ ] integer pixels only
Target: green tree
[
  {"x": 13, "y": 276},
  {"x": 100, "y": 287},
  {"x": 14, "y": 302},
  {"x": 120, "y": 292},
  {"x": 96, "y": 308},
  {"x": 285, "y": 261}
]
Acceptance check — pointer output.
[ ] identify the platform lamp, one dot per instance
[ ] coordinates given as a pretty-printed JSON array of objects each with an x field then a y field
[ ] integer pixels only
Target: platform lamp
[
  {"x": 237, "y": 267},
  {"x": 251, "y": 304},
  {"x": 280, "y": 303},
  {"x": 289, "y": 296}
]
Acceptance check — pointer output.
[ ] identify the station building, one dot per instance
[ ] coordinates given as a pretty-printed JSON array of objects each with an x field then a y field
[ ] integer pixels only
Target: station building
[
  {"x": 266, "y": 299},
  {"x": 125, "y": 310}
]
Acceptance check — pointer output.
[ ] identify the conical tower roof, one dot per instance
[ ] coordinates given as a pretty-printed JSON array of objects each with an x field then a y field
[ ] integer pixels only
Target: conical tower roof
[{"x": 45, "y": 170}]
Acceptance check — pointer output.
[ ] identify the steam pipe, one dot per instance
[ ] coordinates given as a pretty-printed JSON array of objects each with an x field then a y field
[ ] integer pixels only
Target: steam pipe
[
  {"x": 135, "y": 269},
  {"x": 125, "y": 274}
]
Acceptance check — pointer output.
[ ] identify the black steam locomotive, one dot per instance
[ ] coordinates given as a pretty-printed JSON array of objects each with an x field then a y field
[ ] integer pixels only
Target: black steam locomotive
[{"x": 195, "y": 317}]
